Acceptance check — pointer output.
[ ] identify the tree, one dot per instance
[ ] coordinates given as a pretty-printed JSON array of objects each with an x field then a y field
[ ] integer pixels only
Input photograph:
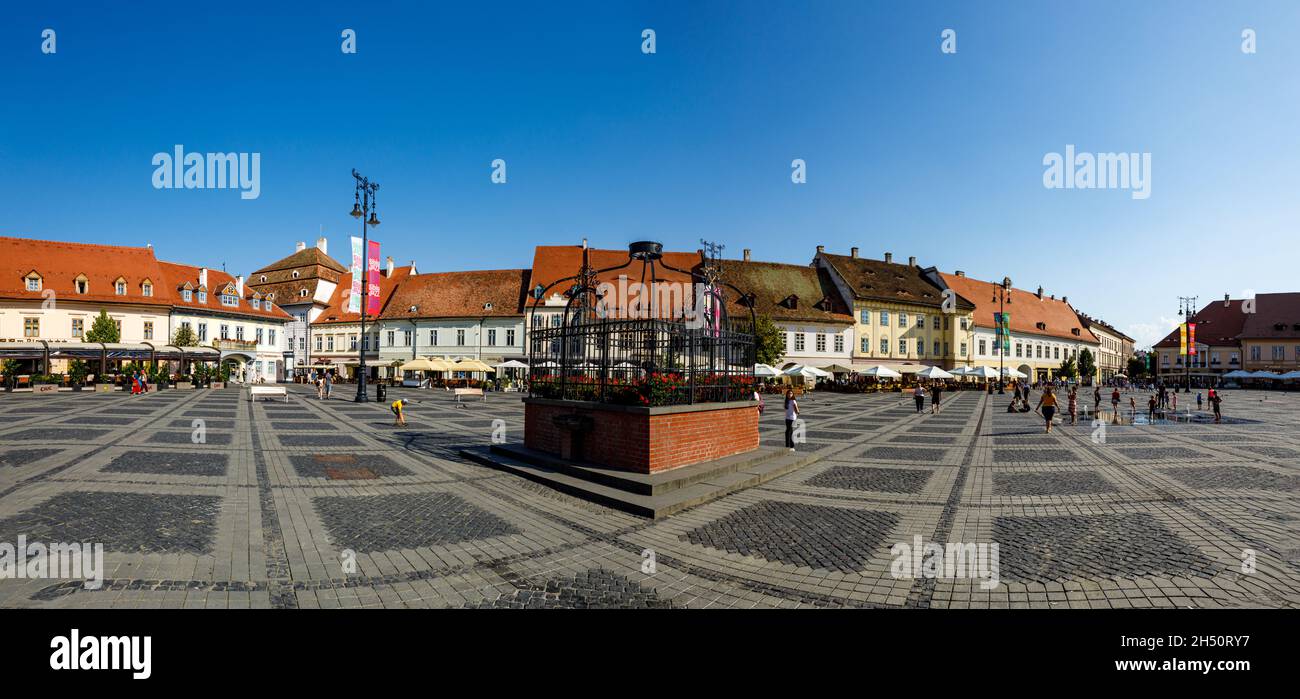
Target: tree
[
  {"x": 1137, "y": 367},
  {"x": 1087, "y": 365},
  {"x": 769, "y": 341},
  {"x": 185, "y": 337},
  {"x": 1068, "y": 369},
  {"x": 104, "y": 329}
]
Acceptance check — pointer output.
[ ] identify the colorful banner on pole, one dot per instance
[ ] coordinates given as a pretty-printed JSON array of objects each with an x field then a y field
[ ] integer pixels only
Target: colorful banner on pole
[
  {"x": 354, "y": 295},
  {"x": 1002, "y": 329},
  {"x": 1191, "y": 339},
  {"x": 1182, "y": 339},
  {"x": 372, "y": 279}
]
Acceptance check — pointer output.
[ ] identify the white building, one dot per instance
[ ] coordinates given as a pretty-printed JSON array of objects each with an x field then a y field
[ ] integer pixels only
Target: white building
[
  {"x": 302, "y": 285},
  {"x": 455, "y": 315}
]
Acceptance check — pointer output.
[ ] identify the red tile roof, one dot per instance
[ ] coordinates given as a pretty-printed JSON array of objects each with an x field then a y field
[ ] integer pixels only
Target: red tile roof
[
  {"x": 178, "y": 275},
  {"x": 460, "y": 295},
  {"x": 1026, "y": 310},
  {"x": 774, "y": 283},
  {"x": 336, "y": 311},
  {"x": 1276, "y": 316},
  {"x": 554, "y": 262},
  {"x": 1217, "y": 324},
  {"x": 59, "y": 264}
]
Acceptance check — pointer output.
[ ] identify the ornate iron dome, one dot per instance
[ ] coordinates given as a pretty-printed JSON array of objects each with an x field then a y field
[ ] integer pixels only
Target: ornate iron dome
[{"x": 649, "y": 340}]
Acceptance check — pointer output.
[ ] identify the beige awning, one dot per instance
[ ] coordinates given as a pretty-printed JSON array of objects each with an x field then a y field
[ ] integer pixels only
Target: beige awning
[{"x": 472, "y": 365}]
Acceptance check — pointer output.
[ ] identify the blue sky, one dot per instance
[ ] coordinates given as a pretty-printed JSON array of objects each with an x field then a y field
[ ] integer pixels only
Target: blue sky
[{"x": 907, "y": 149}]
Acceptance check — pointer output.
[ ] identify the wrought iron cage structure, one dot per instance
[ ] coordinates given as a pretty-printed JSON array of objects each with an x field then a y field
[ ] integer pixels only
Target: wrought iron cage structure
[{"x": 669, "y": 346}]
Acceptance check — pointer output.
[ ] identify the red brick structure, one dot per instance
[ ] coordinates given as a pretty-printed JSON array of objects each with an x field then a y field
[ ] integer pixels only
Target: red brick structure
[{"x": 640, "y": 439}]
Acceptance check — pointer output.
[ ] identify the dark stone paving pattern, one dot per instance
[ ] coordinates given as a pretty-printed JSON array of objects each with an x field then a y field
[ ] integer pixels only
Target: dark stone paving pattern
[
  {"x": 170, "y": 463},
  {"x": 1045, "y": 455},
  {"x": 921, "y": 439},
  {"x": 817, "y": 536},
  {"x": 388, "y": 522},
  {"x": 23, "y": 457},
  {"x": 1051, "y": 483},
  {"x": 128, "y": 522},
  {"x": 1272, "y": 452},
  {"x": 594, "y": 589},
  {"x": 316, "y": 465},
  {"x": 913, "y": 454},
  {"x": 884, "y": 480},
  {"x": 208, "y": 423},
  {"x": 1161, "y": 453},
  {"x": 211, "y": 437},
  {"x": 1233, "y": 476},
  {"x": 1054, "y": 549},
  {"x": 56, "y": 434},
  {"x": 318, "y": 440}
]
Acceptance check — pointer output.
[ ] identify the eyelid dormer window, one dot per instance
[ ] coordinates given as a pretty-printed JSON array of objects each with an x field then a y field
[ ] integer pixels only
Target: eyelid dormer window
[
  {"x": 34, "y": 282},
  {"x": 119, "y": 287}
]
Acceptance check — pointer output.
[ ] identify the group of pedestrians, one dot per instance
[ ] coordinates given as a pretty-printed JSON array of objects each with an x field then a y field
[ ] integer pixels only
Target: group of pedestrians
[
  {"x": 139, "y": 383},
  {"x": 324, "y": 386},
  {"x": 936, "y": 398}
]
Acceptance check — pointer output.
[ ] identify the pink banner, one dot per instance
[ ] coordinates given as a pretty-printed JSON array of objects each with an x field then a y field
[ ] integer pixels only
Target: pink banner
[{"x": 372, "y": 277}]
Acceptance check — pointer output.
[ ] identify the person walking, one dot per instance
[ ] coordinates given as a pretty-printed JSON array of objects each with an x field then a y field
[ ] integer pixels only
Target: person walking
[
  {"x": 320, "y": 387},
  {"x": 1215, "y": 402},
  {"x": 1151, "y": 408},
  {"x": 1096, "y": 400},
  {"x": 328, "y": 384},
  {"x": 1174, "y": 404},
  {"x": 1198, "y": 401},
  {"x": 918, "y": 394},
  {"x": 1114, "y": 402},
  {"x": 1074, "y": 405},
  {"x": 1047, "y": 406},
  {"x": 936, "y": 394},
  {"x": 791, "y": 414}
]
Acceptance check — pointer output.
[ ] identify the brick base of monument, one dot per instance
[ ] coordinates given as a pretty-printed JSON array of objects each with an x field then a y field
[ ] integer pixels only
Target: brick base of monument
[{"x": 639, "y": 439}]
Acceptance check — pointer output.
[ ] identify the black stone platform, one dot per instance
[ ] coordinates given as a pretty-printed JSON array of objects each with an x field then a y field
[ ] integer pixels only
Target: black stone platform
[{"x": 652, "y": 495}]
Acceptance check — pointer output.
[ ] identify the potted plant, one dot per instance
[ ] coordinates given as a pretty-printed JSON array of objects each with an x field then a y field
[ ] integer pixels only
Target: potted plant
[
  {"x": 77, "y": 374},
  {"x": 46, "y": 383},
  {"x": 10, "y": 370}
]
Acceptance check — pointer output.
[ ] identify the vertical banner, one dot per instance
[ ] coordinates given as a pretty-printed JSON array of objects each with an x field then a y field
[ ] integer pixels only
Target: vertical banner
[
  {"x": 1182, "y": 339},
  {"x": 1191, "y": 339},
  {"x": 354, "y": 298},
  {"x": 1006, "y": 332},
  {"x": 372, "y": 279}
]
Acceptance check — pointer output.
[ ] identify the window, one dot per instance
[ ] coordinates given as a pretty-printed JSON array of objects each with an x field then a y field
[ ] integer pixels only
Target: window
[
  {"x": 839, "y": 343},
  {"x": 270, "y": 336},
  {"x": 406, "y": 338},
  {"x": 319, "y": 341},
  {"x": 119, "y": 287},
  {"x": 1056, "y": 352},
  {"x": 302, "y": 293},
  {"x": 821, "y": 342},
  {"x": 203, "y": 332},
  {"x": 1279, "y": 352},
  {"x": 936, "y": 344},
  {"x": 203, "y": 296},
  {"x": 295, "y": 276},
  {"x": 146, "y": 289},
  {"x": 229, "y": 300},
  {"x": 460, "y": 338},
  {"x": 920, "y": 321},
  {"x": 80, "y": 284},
  {"x": 936, "y": 322},
  {"x": 963, "y": 349},
  {"x": 1038, "y": 350},
  {"x": 329, "y": 343},
  {"x": 225, "y": 331},
  {"x": 1018, "y": 349},
  {"x": 256, "y": 304},
  {"x": 983, "y": 348},
  {"x": 302, "y": 344},
  {"x": 884, "y": 318},
  {"x": 902, "y": 345},
  {"x": 78, "y": 327},
  {"x": 920, "y": 348},
  {"x": 33, "y": 283},
  {"x": 864, "y": 316},
  {"x": 902, "y": 320},
  {"x": 365, "y": 341},
  {"x": 510, "y": 338},
  {"x": 965, "y": 324},
  {"x": 187, "y": 295},
  {"x": 492, "y": 338},
  {"x": 259, "y": 336},
  {"x": 866, "y": 345},
  {"x": 352, "y": 343},
  {"x": 391, "y": 338},
  {"x": 31, "y": 327},
  {"x": 884, "y": 345},
  {"x": 798, "y": 342},
  {"x": 117, "y": 323},
  {"x": 433, "y": 337},
  {"x": 148, "y": 330},
  {"x": 239, "y": 333}
]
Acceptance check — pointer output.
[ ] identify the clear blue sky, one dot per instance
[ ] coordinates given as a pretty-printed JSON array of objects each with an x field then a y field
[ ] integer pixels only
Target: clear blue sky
[{"x": 908, "y": 150}]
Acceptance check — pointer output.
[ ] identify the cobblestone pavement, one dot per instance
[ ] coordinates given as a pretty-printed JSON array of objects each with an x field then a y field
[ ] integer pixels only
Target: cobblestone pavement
[{"x": 311, "y": 504}]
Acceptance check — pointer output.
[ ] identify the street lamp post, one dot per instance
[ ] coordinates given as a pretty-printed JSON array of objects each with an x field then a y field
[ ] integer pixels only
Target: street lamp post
[
  {"x": 364, "y": 209},
  {"x": 1002, "y": 296},
  {"x": 1187, "y": 309}
]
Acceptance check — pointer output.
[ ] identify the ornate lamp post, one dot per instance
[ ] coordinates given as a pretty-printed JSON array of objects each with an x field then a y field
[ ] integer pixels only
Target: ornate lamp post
[
  {"x": 1002, "y": 297},
  {"x": 1187, "y": 310},
  {"x": 364, "y": 209}
]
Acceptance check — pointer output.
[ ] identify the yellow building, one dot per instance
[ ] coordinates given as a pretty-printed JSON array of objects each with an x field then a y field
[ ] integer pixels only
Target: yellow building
[{"x": 902, "y": 318}]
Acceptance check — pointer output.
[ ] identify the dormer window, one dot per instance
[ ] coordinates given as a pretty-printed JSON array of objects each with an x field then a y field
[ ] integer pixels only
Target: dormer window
[
  {"x": 119, "y": 286},
  {"x": 268, "y": 304},
  {"x": 487, "y": 306},
  {"x": 229, "y": 300},
  {"x": 146, "y": 288},
  {"x": 791, "y": 302},
  {"x": 203, "y": 296},
  {"x": 263, "y": 277},
  {"x": 255, "y": 303},
  {"x": 81, "y": 285},
  {"x": 34, "y": 281},
  {"x": 302, "y": 293},
  {"x": 295, "y": 274},
  {"x": 187, "y": 294}
]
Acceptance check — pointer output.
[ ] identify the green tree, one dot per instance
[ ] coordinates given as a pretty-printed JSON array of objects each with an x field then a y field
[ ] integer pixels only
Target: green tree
[
  {"x": 103, "y": 329},
  {"x": 769, "y": 341},
  {"x": 1087, "y": 364},
  {"x": 185, "y": 337},
  {"x": 1137, "y": 367},
  {"x": 1068, "y": 369}
]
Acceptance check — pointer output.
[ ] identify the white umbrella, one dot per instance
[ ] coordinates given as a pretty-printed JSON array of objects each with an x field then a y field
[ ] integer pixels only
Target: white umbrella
[
  {"x": 837, "y": 369},
  {"x": 1265, "y": 375},
  {"x": 805, "y": 371},
  {"x": 512, "y": 364},
  {"x": 934, "y": 372},
  {"x": 881, "y": 372},
  {"x": 765, "y": 371},
  {"x": 983, "y": 372},
  {"x": 960, "y": 371},
  {"x": 1008, "y": 371}
]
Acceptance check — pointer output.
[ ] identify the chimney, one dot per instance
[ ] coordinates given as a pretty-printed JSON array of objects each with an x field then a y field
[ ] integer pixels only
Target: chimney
[
  {"x": 1040, "y": 293},
  {"x": 821, "y": 249},
  {"x": 853, "y": 252},
  {"x": 203, "y": 276},
  {"x": 911, "y": 262},
  {"x": 302, "y": 245},
  {"x": 390, "y": 267},
  {"x": 1065, "y": 299},
  {"x": 960, "y": 273},
  {"x": 889, "y": 257},
  {"x": 746, "y": 254},
  {"x": 239, "y": 285},
  {"x": 323, "y": 245}
]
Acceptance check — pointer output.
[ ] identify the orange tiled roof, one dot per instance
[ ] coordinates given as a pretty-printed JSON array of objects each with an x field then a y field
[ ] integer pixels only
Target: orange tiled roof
[
  {"x": 178, "y": 275},
  {"x": 1026, "y": 309},
  {"x": 336, "y": 311},
  {"x": 554, "y": 262},
  {"x": 59, "y": 264},
  {"x": 460, "y": 295},
  {"x": 774, "y": 283}
]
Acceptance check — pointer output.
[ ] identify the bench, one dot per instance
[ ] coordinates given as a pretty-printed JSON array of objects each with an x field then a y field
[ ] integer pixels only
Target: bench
[
  {"x": 458, "y": 392},
  {"x": 272, "y": 391}
]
